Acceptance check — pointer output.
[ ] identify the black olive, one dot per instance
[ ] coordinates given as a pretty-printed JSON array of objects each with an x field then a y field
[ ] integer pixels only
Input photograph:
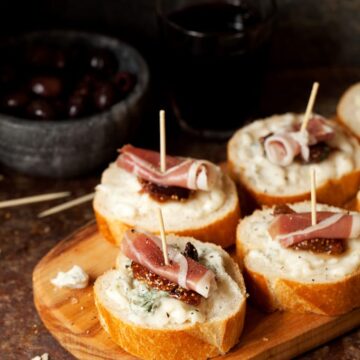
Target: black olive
[
  {"x": 124, "y": 82},
  {"x": 77, "y": 106},
  {"x": 103, "y": 60},
  {"x": 104, "y": 96},
  {"x": 46, "y": 86},
  {"x": 47, "y": 57},
  {"x": 83, "y": 89},
  {"x": 41, "y": 110},
  {"x": 85, "y": 85},
  {"x": 15, "y": 100}
]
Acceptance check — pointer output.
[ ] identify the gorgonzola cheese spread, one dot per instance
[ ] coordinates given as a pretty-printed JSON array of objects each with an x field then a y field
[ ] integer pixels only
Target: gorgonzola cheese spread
[
  {"x": 247, "y": 153},
  {"x": 119, "y": 196},
  {"x": 267, "y": 255},
  {"x": 156, "y": 308}
]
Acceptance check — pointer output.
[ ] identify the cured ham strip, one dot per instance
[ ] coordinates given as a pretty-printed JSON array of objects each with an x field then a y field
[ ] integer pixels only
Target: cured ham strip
[
  {"x": 291, "y": 229},
  {"x": 319, "y": 130},
  {"x": 282, "y": 148},
  {"x": 145, "y": 249},
  {"x": 187, "y": 173}
]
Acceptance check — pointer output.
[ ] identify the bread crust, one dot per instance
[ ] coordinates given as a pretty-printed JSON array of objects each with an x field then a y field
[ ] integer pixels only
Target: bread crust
[
  {"x": 197, "y": 341},
  {"x": 270, "y": 294},
  {"x": 155, "y": 344},
  {"x": 334, "y": 192},
  {"x": 341, "y": 105},
  {"x": 222, "y": 232},
  {"x": 259, "y": 290},
  {"x": 354, "y": 204}
]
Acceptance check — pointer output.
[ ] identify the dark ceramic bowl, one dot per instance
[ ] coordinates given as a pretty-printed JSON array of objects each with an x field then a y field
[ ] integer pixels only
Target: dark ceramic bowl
[{"x": 68, "y": 148}]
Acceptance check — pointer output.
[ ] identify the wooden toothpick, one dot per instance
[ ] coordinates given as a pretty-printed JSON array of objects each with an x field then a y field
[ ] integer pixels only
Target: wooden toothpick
[
  {"x": 313, "y": 196},
  {"x": 310, "y": 106},
  {"x": 67, "y": 205},
  {"x": 162, "y": 142},
  {"x": 33, "y": 199},
  {"x": 163, "y": 237}
]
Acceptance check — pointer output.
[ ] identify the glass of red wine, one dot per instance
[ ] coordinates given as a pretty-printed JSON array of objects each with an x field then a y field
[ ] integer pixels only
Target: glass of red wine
[{"x": 214, "y": 58}]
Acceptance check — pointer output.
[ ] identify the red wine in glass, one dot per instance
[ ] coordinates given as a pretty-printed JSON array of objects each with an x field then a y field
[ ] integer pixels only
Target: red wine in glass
[{"x": 214, "y": 57}]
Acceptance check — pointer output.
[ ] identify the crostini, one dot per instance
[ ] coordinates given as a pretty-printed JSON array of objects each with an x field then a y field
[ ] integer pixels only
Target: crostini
[
  {"x": 348, "y": 109},
  {"x": 193, "y": 308},
  {"x": 292, "y": 265},
  {"x": 196, "y": 197},
  {"x": 270, "y": 160}
]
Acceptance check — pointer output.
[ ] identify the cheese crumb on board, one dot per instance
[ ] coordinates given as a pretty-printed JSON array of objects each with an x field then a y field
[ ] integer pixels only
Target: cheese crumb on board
[
  {"x": 44, "y": 356},
  {"x": 75, "y": 278}
]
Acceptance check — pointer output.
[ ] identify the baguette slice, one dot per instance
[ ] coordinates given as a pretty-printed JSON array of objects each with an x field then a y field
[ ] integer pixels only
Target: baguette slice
[
  {"x": 299, "y": 281},
  {"x": 338, "y": 176},
  {"x": 357, "y": 202},
  {"x": 120, "y": 205},
  {"x": 154, "y": 335},
  {"x": 348, "y": 109}
]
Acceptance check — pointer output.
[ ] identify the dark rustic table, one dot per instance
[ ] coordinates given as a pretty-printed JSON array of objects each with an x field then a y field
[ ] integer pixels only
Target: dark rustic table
[{"x": 24, "y": 238}]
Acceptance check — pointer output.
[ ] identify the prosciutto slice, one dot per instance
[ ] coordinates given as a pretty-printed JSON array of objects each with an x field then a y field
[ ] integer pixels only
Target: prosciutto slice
[
  {"x": 282, "y": 148},
  {"x": 145, "y": 249},
  {"x": 291, "y": 229},
  {"x": 183, "y": 172}
]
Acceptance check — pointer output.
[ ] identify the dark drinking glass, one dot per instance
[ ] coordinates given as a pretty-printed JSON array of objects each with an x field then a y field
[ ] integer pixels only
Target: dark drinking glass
[{"x": 214, "y": 56}]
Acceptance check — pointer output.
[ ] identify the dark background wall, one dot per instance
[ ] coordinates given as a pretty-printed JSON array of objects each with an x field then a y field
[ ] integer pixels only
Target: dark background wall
[
  {"x": 332, "y": 27},
  {"x": 313, "y": 40}
]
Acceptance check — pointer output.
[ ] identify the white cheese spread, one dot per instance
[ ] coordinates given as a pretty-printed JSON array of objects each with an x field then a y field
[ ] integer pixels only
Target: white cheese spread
[
  {"x": 267, "y": 255},
  {"x": 75, "y": 278},
  {"x": 156, "y": 308},
  {"x": 254, "y": 168},
  {"x": 120, "y": 197}
]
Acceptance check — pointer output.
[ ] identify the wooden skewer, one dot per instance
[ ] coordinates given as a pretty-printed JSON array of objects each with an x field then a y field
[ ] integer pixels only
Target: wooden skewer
[
  {"x": 33, "y": 199},
  {"x": 163, "y": 237},
  {"x": 313, "y": 196},
  {"x": 310, "y": 106},
  {"x": 162, "y": 142},
  {"x": 66, "y": 205}
]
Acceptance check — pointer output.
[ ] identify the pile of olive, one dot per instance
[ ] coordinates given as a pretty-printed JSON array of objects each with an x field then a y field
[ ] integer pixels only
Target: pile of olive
[{"x": 47, "y": 83}]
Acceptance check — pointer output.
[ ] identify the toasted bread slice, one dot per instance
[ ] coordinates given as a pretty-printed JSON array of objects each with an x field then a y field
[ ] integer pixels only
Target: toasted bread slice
[
  {"x": 210, "y": 216},
  {"x": 356, "y": 203},
  {"x": 348, "y": 109},
  {"x": 279, "y": 278},
  {"x": 338, "y": 176},
  {"x": 164, "y": 328}
]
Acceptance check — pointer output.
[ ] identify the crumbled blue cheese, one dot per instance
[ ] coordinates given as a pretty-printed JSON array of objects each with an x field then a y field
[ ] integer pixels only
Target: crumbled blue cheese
[
  {"x": 254, "y": 168},
  {"x": 44, "y": 356},
  {"x": 143, "y": 298},
  {"x": 152, "y": 307},
  {"x": 265, "y": 253},
  {"x": 75, "y": 278}
]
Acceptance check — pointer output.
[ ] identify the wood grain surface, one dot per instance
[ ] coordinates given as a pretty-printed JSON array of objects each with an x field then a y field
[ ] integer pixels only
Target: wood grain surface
[{"x": 70, "y": 315}]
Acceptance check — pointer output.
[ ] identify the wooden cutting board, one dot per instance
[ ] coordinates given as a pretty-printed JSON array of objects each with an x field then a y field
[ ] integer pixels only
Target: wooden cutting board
[{"x": 70, "y": 315}]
